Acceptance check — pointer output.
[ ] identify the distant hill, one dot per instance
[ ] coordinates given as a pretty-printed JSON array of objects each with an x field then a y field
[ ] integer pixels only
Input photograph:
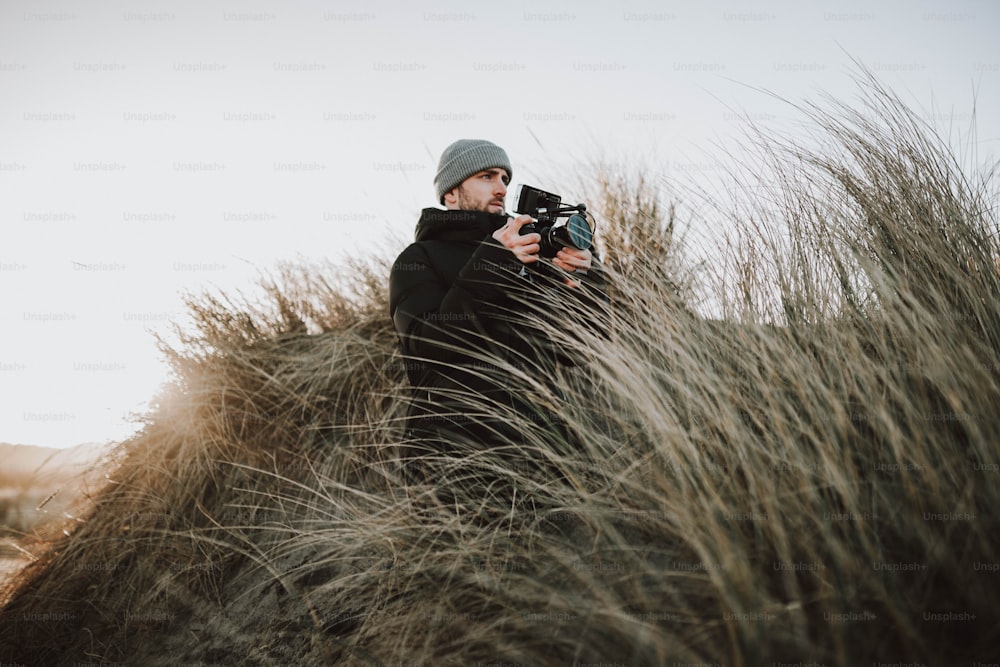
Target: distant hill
[
  {"x": 33, "y": 461},
  {"x": 40, "y": 485}
]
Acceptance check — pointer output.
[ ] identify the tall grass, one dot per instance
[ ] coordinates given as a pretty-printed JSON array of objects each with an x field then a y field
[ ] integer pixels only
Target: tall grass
[{"x": 812, "y": 478}]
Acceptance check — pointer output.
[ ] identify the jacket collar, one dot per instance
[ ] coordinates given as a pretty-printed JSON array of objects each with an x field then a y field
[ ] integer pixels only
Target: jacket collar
[{"x": 436, "y": 224}]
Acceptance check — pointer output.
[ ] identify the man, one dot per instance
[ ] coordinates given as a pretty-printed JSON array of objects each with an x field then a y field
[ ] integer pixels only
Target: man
[{"x": 466, "y": 300}]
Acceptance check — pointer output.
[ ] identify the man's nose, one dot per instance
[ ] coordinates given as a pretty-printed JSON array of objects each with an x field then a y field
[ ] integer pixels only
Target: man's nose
[{"x": 501, "y": 189}]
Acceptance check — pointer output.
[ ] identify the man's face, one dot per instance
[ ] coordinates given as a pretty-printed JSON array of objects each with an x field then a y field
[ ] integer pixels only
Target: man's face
[{"x": 483, "y": 191}]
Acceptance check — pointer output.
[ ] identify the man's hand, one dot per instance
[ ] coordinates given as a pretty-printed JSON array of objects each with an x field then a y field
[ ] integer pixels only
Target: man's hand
[
  {"x": 525, "y": 248},
  {"x": 572, "y": 259}
]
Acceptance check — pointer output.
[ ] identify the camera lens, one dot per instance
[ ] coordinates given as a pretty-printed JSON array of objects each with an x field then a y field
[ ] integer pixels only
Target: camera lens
[{"x": 580, "y": 234}]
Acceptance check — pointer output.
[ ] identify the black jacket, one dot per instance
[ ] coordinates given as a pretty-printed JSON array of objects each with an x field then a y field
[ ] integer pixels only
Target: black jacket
[{"x": 466, "y": 311}]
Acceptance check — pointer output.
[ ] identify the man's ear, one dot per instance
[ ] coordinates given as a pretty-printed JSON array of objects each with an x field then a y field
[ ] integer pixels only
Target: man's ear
[{"x": 451, "y": 198}]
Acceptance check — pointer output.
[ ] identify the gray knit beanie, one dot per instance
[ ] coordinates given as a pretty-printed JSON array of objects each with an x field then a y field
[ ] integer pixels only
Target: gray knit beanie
[{"x": 464, "y": 158}]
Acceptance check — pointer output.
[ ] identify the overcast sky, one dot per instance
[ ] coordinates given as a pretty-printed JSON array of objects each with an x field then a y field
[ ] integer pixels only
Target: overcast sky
[{"x": 153, "y": 148}]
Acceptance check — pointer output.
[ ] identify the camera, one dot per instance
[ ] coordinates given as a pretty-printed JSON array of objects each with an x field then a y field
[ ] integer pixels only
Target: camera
[{"x": 575, "y": 232}]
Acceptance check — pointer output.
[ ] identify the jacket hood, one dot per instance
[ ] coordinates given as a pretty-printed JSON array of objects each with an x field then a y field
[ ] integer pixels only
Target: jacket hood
[{"x": 447, "y": 225}]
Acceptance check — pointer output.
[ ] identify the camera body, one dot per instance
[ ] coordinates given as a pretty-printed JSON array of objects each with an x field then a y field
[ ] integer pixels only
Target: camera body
[{"x": 545, "y": 207}]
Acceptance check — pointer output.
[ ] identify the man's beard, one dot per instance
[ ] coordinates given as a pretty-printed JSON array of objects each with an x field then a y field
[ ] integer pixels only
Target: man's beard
[{"x": 467, "y": 203}]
